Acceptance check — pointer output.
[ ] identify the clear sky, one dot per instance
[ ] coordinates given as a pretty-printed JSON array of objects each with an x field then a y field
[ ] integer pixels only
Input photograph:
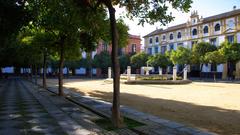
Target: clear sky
[{"x": 205, "y": 8}]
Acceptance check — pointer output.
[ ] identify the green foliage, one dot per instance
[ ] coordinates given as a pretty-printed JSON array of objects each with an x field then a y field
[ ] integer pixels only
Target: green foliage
[
  {"x": 230, "y": 51},
  {"x": 199, "y": 50},
  {"x": 159, "y": 60},
  {"x": 124, "y": 61},
  {"x": 139, "y": 60},
  {"x": 152, "y": 11},
  {"x": 215, "y": 57},
  {"x": 102, "y": 60},
  {"x": 181, "y": 56},
  {"x": 123, "y": 33},
  {"x": 12, "y": 17}
]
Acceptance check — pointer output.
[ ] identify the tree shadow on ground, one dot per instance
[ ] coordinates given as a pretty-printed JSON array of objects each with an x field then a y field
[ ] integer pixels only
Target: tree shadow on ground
[{"x": 219, "y": 120}]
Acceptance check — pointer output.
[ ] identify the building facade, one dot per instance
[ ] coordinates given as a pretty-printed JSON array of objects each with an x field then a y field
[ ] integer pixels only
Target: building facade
[
  {"x": 214, "y": 29},
  {"x": 133, "y": 46}
]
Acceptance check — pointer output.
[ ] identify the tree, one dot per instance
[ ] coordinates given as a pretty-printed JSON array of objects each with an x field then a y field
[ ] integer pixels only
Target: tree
[
  {"x": 102, "y": 61},
  {"x": 150, "y": 11},
  {"x": 69, "y": 22},
  {"x": 13, "y": 16},
  {"x": 215, "y": 58},
  {"x": 198, "y": 53},
  {"x": 124, "y": 61},
  {"x": 140, "y": 59},
  {"x": 159, "y": 60},
  {"x": 231, "y": 51},
  {"x": 181, "y": 56}
]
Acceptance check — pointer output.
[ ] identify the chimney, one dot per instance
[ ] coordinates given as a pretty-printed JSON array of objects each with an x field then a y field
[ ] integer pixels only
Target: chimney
[{"x": 234, "y": 7}]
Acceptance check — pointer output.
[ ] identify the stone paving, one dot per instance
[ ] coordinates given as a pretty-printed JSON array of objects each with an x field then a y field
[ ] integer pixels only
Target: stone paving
[
  {"x": 27, "y": 110},
  {"x": 21, "y": 113},
  {"x": 154, "y": 125}
]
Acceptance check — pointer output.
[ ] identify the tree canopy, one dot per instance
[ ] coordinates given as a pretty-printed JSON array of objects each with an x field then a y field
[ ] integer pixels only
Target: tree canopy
[
  {"x": 139, "y": 60},
  {"x": 181, "y": 56},
  {"x": 159, "y": 60}
]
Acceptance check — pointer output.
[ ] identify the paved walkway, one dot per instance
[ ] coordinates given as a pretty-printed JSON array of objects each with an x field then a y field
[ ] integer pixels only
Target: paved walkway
[
  {"x": 154, "y": 125},
  {"x": 27, "y": 110}
]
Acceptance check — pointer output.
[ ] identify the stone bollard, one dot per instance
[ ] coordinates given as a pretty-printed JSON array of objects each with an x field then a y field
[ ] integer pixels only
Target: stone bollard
[
  {"x": 185, "y": 71},
  {"x": 174, "y": 73},
  {"x": 128, "y": 73},
  {"x": 160, "y": 70},
  {"x": 109, "y": 73},
  {"x": 142, "y": 71}
]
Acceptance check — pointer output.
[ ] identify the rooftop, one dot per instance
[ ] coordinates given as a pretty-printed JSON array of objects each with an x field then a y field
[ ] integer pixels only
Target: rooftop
[{"x": 204, "y": 20}]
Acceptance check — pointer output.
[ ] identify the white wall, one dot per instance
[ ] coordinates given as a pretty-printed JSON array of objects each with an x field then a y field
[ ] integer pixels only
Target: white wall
[
  {"x": 238, "y": 37},
  {"x": 9, "y": 70},
  {"x": 81, "y": 71},
  {"x": 220, "y": 68},
  {"x": 221, "y": 39}
]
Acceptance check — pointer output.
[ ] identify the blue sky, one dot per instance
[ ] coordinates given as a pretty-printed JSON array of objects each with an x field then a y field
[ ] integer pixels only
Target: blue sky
[{"x": 205, "y": 8}]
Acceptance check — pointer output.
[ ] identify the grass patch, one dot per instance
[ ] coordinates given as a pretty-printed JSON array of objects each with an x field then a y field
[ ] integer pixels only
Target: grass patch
[{"x": 107, "y": 124}]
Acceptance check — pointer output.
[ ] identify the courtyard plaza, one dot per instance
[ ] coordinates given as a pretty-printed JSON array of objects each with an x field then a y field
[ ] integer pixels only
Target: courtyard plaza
[{"x": 207, "y": 105}]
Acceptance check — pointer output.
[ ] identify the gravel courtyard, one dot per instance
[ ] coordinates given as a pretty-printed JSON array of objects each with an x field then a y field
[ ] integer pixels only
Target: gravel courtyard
[{"x": 212, "y": 106}]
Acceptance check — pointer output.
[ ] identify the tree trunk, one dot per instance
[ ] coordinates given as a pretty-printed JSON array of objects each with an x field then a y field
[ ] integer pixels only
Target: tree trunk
[
  {"x": 214, "y": 75},
  {"x": 44, "y": 70},
  {"x": 36, "y": 73},
  {"x": 116, "y": 118},
  {"x": 89, "y": 69},
  {"x": 201, "y": 66},
  {"x": 60, "y": 74},
  {"x": 31, "y": 73}
]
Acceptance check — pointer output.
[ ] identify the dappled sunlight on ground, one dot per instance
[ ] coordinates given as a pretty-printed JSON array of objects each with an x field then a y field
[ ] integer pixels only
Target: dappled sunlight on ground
[{"x": 213, "y": 106}]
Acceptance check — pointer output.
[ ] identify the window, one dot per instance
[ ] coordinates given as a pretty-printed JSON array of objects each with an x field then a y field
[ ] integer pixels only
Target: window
[
  {"x": 213, "y": 67},
  {"x": 104, "y": 46},
  {"x": 230, "y": 24},
  {"x": 120, "y": 51},
  {"x": 179, "y": 35},
  {"x": 164, "y": 37},
  {"x": 150, "y": 41},
  {"x": 133, "y": 48},
  {"x": 230, "y": 39},
  {"x": 163, "y": 49},
  {"x": 217, "y": 27},
  {"x": 156, "y": 49},
  {"x": 171, "y": 37},
  {"x": 205, "y": 30},
  {"x": 156, "y": 39},
  {"x": 150, "y": 51},
  {"x": 171, "y": 46},
  {"x": 194, "y": 32},
  {"x": 213, "y": 41}
]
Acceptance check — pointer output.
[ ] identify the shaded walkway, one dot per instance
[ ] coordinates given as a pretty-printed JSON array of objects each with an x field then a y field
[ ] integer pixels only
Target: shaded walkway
[{"x": 25, "y": 109}]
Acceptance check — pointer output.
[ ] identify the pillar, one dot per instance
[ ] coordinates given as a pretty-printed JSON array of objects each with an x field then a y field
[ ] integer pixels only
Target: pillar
[
  {"x": 160, "y": 70},
  {"x": 237, "y": 71},
  {"x": 174, "y": 73},
  {"x": 185, "y": 71},
  {"x": 225, "y": 71},
  {"x": 128, "y": 73},
  {"x": 109, "y": 73}
]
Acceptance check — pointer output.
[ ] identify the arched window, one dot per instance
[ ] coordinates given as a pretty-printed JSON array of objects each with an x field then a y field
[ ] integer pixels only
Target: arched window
[
  {"x": 171, "y": 37},
  {"x": 194, "y": 32},
  {"x": 164, "y": 37},
  {"x": 217, "y": 27},
  {"x": 150, "y": 40},
  {"x": 205, "y": 30},
  {"x": 156, "y": 40},
  {"x": 179, "y": 35}
]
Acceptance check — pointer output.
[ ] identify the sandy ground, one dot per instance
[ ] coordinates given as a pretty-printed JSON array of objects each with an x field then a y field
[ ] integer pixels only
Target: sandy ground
[{"x": 212, "y": 106}]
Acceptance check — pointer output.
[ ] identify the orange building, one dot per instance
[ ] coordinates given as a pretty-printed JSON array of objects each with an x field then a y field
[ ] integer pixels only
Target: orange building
[{"x": 133, "y": 46}]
